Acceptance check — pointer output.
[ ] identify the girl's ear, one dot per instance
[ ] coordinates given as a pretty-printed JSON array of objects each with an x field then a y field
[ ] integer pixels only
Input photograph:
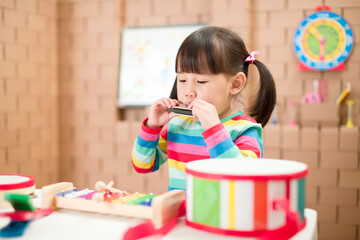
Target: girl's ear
[{"x": 238, "y": 83}]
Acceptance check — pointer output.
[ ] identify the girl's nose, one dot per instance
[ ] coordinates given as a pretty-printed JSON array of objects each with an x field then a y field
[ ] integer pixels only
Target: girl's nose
[
  {"x": 190, "y": 91},
  {"x": 189, "y": 94}
]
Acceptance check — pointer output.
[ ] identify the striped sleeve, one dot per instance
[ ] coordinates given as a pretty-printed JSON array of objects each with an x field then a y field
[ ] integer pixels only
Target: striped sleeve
[
  {"x": 221, "y": 145},
  {"x": 149, "y": 150},
  {"x": 250, "y": 144}
]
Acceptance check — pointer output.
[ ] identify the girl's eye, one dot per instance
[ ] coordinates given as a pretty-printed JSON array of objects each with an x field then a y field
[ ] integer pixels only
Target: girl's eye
[
  {"x": 180, "y": 80},
  {"x": 201, "y": 82}
]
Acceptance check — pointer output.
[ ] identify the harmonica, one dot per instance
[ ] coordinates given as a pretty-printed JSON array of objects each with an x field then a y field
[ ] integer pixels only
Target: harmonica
[{"x": 181, "y": 111}]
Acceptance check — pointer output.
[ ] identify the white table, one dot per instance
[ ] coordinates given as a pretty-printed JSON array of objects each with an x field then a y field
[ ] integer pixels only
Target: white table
[{"x": 68, "y": 224}]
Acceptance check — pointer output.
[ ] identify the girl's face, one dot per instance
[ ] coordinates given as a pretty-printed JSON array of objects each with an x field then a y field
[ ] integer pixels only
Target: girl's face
[{"x": 214, "y": 89}]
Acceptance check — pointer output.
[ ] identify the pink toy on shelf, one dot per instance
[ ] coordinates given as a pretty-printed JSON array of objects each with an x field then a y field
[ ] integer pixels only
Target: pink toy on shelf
[
  {"x": 313, "y": 97},
  {"x": 292, "y": 104}
]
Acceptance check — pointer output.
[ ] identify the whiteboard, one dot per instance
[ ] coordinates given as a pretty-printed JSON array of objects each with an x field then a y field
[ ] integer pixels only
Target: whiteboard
[{"x": 147, "y": 63}]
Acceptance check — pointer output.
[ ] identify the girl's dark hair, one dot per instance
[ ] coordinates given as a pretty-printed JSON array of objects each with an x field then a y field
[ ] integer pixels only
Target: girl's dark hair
[
  {"x": 173, "y": 93},
  {"x": 216, "y": 50}
]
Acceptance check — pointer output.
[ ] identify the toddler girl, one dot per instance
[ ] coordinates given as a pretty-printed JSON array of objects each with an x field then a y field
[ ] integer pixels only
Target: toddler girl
[{"x": 212, "y": 66}]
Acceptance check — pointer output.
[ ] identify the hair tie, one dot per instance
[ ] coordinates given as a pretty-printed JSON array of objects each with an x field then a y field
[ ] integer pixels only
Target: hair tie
[{"x": 251, "y": 57}]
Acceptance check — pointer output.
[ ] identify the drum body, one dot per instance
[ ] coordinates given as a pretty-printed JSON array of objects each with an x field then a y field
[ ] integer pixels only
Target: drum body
[{"x": 245, "y": 197}]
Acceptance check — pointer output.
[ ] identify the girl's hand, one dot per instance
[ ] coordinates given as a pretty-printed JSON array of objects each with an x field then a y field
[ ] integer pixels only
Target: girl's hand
[
  {"x": 158, "y": 114},
  {"x": 204, "y": 112}
]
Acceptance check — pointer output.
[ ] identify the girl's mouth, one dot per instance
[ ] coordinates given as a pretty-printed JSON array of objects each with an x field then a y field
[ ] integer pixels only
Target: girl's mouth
[{"x": 181, "y": 104}]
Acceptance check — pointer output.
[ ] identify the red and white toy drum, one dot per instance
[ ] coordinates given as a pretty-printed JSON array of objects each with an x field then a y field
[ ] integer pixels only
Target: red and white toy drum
[
  {"x": 15, "y": 183},
  {"x": 246, "y": 197}
]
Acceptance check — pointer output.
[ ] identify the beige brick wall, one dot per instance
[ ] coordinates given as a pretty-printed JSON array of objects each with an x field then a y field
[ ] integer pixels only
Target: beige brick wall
[
  {"x": 89, "y": 39},
  {"x": 29, "y": 130},
  {"x": 58, "y": 88}
]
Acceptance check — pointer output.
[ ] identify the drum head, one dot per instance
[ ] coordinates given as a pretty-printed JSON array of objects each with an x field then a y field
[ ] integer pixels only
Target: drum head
[
  {"x": 246, "y": 168},
  {"x": 15, "y": 181}
]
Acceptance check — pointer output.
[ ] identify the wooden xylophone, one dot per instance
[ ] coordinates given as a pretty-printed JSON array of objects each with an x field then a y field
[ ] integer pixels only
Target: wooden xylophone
[{"x": 158, "y": 208}]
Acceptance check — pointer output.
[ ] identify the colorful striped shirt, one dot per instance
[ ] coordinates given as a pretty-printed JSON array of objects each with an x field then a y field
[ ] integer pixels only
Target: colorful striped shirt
[{"x": 184, "y": 140}]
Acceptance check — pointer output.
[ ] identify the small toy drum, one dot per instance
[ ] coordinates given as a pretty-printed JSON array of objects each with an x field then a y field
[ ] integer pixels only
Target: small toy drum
[
  {"x": 15, "y": 183},
  {"x": 246, "y": 197}
]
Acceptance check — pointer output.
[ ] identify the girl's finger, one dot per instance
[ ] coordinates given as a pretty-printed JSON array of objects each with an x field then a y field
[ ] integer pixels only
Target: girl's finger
[
  {"x": 174, "y": 102},
  {"x": 162, "y": 104},
  {"x": 196, "y": 102},
  {"x": 167, "y": 102},
  {"x": 191, "y": 105},
  {"x": 201, "y": 102}
]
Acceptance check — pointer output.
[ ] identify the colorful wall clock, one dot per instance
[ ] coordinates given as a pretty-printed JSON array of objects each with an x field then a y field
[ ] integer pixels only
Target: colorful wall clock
[{"x": 323, "y": 41}]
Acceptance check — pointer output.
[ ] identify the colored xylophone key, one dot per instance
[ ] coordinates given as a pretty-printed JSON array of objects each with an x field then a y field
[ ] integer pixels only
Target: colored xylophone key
[
  {"x": 144, "y": 200},
  {"x": 128, "y": 198},
  {"x": 111, "y": 197}
]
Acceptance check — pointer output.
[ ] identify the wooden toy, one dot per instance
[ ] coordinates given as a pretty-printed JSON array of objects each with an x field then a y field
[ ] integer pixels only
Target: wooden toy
[
  {"x": 181, "y": 111},
  {"x": 324, "y": 90},
  {"x": 349, "y": 122},
  {"x": 343, "y": 94},
  {"x": 158, "y": 208},
  {"x": 15, "y": 183}
]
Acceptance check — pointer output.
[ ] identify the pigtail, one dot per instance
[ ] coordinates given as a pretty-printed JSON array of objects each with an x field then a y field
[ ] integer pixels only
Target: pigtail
[{"x": 265, "y": 101}]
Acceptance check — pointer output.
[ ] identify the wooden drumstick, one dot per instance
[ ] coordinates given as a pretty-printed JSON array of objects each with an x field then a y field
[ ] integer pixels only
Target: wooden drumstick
[{"x": 101, "y": 186}]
